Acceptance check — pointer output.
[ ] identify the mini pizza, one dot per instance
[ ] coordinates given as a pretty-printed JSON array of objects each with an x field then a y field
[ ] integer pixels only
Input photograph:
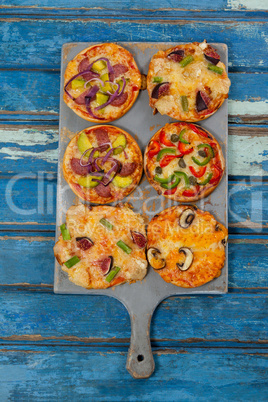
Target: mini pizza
[
  {"x": 183, "y": 162},
  {"x": 102, "y": 246},
  {"x": 101, "y": 83},
  {"x": 102, "y": 164},
  {"x": 186, "y": 246},
  {"x": 187, "y": 82}
]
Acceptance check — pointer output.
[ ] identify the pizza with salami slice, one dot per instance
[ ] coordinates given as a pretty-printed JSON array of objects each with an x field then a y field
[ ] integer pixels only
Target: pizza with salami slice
[
  {"x": 184, "y": 162},
  {"x": 102, "y": 164},
  {"x": 188, "y": 82},
  {"x": 186, "y": 246},
  {"x": 102, "y": 83},
  {"x": 102, "y": 246}
]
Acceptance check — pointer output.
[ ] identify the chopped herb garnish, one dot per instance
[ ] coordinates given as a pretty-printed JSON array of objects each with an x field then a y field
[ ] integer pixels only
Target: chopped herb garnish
[
  {"x": 124, "y": 247},
  {"x": 65, "y": 232},
  {"x": 112, "y": 274},
  {"x": 106, "y": 223},
  {"x": 72, "y": 261}
]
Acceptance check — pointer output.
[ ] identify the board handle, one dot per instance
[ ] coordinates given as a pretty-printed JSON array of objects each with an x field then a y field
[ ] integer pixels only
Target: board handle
[{"x": 140, "y": 361}]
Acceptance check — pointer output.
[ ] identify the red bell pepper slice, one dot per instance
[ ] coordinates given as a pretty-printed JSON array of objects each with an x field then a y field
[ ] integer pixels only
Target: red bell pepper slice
[
  {"x": 183, "y": 148},
  {"x": 200, "y": 173},
  {"x": 214, "y": 147},
  {"x": 171, "y": 191},
  {"x": 154, "y": 149},
  {"x": 198, "y": 130},
  {"x": 164, "y": 140},
  {"x": 217, "y": 172},
  {"x": 167, "y": 159},
  {"x": 191, "y": 193}
]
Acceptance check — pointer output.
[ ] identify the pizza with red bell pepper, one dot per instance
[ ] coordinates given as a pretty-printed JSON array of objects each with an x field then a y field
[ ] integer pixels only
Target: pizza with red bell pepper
[
  {"x": 101, "y": 83},
  {"x": 187, "y": 82},
  {"x": 102, "y": 246},
  {"x": 102, "y": 164},
  {"x": 186, "y": 246},
  {"x": 184, "y": 162}
]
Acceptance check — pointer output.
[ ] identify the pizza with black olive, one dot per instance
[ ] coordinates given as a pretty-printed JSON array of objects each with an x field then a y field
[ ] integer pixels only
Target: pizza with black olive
[
  {"x": 102, "y": 82},
  {"x": 184, "y": 162},
  {"x": 102, "y": 246},
  {"x": 102, "y": 164},
  {"x": 186, "y": 246},
  {"x": 187, "y": 82}
]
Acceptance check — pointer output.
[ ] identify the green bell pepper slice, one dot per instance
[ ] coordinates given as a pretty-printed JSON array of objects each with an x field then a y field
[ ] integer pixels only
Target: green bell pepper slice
[
  {"x": 173, "y": 184},
  {"x": 162, "y": 180},
  {"x": 165, "y": 151},
  {"x": 207, "y": 159},
  {"x": 184, "y": 176},
  {"x": 181, "y": 139},
  {"x": 207, "y": 180}
]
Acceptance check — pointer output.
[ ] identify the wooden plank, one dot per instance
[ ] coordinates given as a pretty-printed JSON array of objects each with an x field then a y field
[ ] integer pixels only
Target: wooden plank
[
  {"x": 36, "y": 43},
  {"x": 247, "y": 99},
  {"x": 30, "y": 199},
  {"x": 248, "y": 261},
  {"x": 44, "y": 318},
  {"x": 35, "y": 148},
  {"x": 85, "y": 374}
]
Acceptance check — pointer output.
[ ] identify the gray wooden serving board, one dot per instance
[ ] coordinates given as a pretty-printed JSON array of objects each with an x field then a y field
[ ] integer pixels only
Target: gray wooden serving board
[{"x": 143, "y": 297}]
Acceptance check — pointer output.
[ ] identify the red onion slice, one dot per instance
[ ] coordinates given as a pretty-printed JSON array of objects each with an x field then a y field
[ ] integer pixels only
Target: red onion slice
[
  {"x": 94, "y": 79},
  {"x": 112, "y": 97},
  {"x": 88, "y": 100}
]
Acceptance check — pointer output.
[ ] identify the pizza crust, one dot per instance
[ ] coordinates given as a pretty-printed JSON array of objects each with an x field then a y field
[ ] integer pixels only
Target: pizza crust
[
  {"x": 83, "y": 221},
  {"x": 187, "y": 81},
  {"x": 116, "y": 55},
  {"x": 151, "y": 163},
  {"x": 205, "y": 238},
  {"x": 134, "y": 155}
]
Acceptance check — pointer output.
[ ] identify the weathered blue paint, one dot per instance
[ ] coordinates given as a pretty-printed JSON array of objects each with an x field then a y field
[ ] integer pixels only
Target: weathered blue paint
[
  {"x": 83, "y": 374},
  {"x": 37, "y": 43}
]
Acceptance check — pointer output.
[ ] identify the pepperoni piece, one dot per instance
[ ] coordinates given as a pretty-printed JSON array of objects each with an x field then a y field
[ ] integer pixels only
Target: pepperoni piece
[
  {"x": 83, "y": 65},
  {"x": 101, "y": 136},
  {"x": 120, "y": 100},
  {"x": 127, "y": 169},
  {"x": 103, "y": 191},
  {"x": 80, "y": 100},
  {"x": 77, "y": 168},
  {"x": 119, "y": 69}
]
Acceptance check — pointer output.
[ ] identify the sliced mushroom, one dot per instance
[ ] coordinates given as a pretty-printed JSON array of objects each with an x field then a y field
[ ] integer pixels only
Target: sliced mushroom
[
  {"x": 188, "y": 259},
  {"x": 186, "y": 218},
  {"x": 224, "y": 241},
  {"x": 153, "y": 255}
]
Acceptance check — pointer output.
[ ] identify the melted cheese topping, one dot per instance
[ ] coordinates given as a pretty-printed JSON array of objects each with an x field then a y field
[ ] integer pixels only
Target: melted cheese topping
[
  {"x": 203, "y": 237},
  {"x": 187, "y": 81},
  {"x": 116, "y": 55},
  {"x": 83, "y": 222},
  {"x": 132, "y": 151}
]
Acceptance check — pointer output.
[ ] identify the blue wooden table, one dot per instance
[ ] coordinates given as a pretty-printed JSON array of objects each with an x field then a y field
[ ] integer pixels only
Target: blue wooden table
[{"x": 75, "y": 347}]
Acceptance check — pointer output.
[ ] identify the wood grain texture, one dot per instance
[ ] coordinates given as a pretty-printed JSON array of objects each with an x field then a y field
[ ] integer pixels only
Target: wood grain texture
[
  {"x": 36, "y": 43},
  {"x": 248, "y": 259},
  {"x": 84, "y": 374}
]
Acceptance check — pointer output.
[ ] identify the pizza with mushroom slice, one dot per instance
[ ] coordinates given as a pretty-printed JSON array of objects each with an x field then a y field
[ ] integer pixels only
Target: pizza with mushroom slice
[
  {"x": 102, "y": 246},
  {"x": 186, "y": 246},
  {"x": 187, "y": 82},
  {"x": 102, "y": 83},
  {"x": 102, "y": 164},
  {"x": 184, "y": 162}
]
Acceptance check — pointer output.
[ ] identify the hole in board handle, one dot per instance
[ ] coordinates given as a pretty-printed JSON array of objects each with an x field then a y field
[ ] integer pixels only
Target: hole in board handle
[{"x": 140, "y": 358}]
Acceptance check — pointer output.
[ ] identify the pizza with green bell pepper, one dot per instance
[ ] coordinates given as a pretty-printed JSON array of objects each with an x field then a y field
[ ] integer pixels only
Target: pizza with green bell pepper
[{"x": 184, "y": 162}]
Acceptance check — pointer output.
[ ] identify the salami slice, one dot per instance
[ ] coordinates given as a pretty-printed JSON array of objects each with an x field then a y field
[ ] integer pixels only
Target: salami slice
[
  {"x": 80, "y": 100},
  {"x": 83, "y": 65},
  {"x": 77, "y": 168},
  {"x": 103, "y": 191},
  {"x": 120, "y": 100},
  {"x": 101, "y": 136},
  {"x": 118, "y": 69},
  {"x": 127, "y": 169}
]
